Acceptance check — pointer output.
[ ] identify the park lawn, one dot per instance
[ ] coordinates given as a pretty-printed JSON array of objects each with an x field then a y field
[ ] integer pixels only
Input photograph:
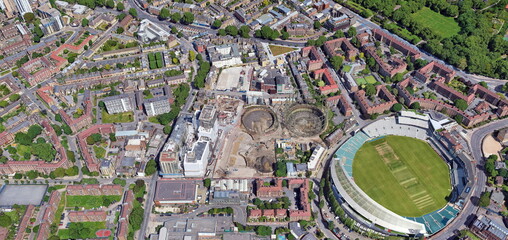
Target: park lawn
[
  {"x": 99, "y": 152},
  {"x": 360, "y": 81},
  {"x": 93, "y": 226},
  {"x": 346, "y": 68},
  {"x": 370, "y": 79},
  {"x": 278, "y": 50},
  {"x": 91, "y": 202},
  {"x": 403, "y": 174},
  {"x": 22, "y": 149},
  {"x": 439, "y": 24},
  {"x": 117, "y": 118}
]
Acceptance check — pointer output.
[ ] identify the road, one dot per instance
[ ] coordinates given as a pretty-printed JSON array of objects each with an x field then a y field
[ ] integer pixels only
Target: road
[
  {"x": 148, "y": 206},
  {"x": 480, "y": 179},
  {"x": 239, "y": 213}
]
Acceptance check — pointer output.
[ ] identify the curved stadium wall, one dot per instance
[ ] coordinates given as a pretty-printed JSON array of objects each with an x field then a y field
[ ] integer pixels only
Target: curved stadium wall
[{"x": 352, "y": 197}]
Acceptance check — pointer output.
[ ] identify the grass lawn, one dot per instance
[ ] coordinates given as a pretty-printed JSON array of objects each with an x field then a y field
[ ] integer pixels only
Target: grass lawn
[
  {"x": 153, "y": 120},
  {"x": 117, "y": 118},
  {"x": 360, "y": 81},
  {"x": 278, "y": 50},
  {"x": 99, "y": 152},
  {"x": 346, "y": 68},
  {"x": 403, "y": 174},
  {"x": 90, "y": 202},
  {"x": 439, "y": 24},
  {"x": 22, "y": 149},
  {"x": 370, "y": 79},
  {"x": 93, "y": 226}
]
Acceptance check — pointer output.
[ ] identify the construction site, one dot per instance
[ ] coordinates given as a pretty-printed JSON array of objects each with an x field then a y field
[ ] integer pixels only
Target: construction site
[{"x": 249, "y": 146}]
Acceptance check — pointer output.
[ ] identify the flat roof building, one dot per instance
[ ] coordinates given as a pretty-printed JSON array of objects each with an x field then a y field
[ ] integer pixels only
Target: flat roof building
[
  {"x": 224, "y": 55},
  {"x": 149, "y": 31},
  {"x": 208, "y": 116},
  {"x": 170, "y": 164},
  {"x": 118, "y": 104},
  {"x": 157, "y": 106},
  {"x": 195, "y": 161},
  {"x": 169, "y": 192}
]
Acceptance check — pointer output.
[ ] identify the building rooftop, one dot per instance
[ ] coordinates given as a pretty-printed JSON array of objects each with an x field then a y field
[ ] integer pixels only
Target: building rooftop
[{"x": 175, "y": 190}]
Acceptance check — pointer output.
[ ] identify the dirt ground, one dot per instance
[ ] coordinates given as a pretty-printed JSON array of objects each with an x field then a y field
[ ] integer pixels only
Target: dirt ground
[
  {"x": 245, "y": 156},
  {"x": 491, "y": 146}
]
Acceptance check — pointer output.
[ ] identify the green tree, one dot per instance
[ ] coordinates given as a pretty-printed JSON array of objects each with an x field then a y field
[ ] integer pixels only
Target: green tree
[
  {"x": 504, "y": 88},
  {"x": 110, "y": 3},
  {"x": 232, "y": 30},
  {"x": 120, "y": 30},
  {"x": 461, "y": 104},
  {"x": 217, "y": 24},
  {"x": 415, "y": 105},
  {"x": 396, "y": 107},
  {"x": 263, "y": 230},
  {"x": 351, "y": 32},
  {"x": 284, "y": 35},
  {"x": 29, "y": 17},
  {"x": 14, "y": 97},
  {"x": 370, "y": 90},
  {"x": 331, "y": 225},
  {"x": 119, "y": 181},
  {"x": 222, "y": 32},
  {"x": 32, "y": 174},
  {"x": 66, "y": 129},
  {"x": 72, "y": 171},
  {"x": 38, "y": 31},
  {"x": 151, "y": 167},
  {"x": 112, "y": 137},
  {"x": 120, "y": 7},
  {"x": 192, "y": 55},
  {"x": 338, "y": 34},
  {"x": 133, "y": 12},
  {"x": 317, "y": 25},
  {"x": 165, "y": 14},
  {"x": 136, "y": 218},
  {"x": 176, "y": 17},
  {"x": 336, "y": 62},
  {"x": 167, "y": 129},
  {"x": 458, "y": 118},
  {"x": 4, "y": 103},
  {"x": 188, "y": 18},
  {"x": 23, "y": 138},
  {"x": 207, "y": 182},
  {"x": 484, "y": 199},
  {"x": 84, "y": 22},
  {"x": 5, "y": 220},
  {"x": 244, "y": 31}
]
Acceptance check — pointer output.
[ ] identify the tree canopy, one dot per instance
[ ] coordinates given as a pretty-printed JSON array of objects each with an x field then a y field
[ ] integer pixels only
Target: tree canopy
[
  {"x": 461, "y": 104},
  {"x": 188, "y": 18},
  {"x": 151, "y": 167},
  {"x": 164, "y": 14}
]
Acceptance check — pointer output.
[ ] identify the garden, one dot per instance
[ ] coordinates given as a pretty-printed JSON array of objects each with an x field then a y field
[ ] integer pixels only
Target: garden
[
  {"x": 117, "y": 118},
  {"x": 27, "y": 146},
  {"x": 115, "y": 44},
  {"x": 155, "y": 60},
  {"x": 92, "y": 202}
]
